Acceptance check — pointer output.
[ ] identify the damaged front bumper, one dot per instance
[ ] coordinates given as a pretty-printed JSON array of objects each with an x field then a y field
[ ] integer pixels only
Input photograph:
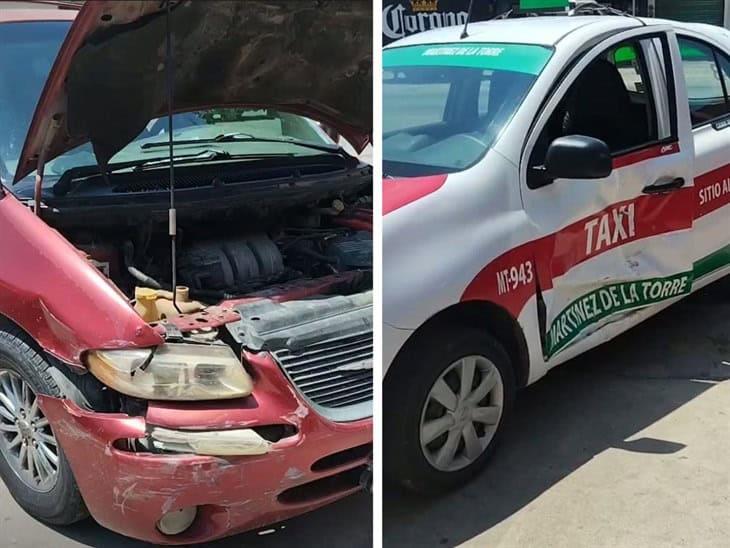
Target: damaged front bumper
[{"x": 242, "y": 464}]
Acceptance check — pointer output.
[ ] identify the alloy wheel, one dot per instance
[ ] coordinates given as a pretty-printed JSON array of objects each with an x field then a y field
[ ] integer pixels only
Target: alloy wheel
[
  {"x": 461, "y": 413},
  {"x": 26, "y": 439}
]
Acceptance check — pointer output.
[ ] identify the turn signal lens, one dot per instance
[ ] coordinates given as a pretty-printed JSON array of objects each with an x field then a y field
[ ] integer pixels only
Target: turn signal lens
[{"x": 173, "y": 371}]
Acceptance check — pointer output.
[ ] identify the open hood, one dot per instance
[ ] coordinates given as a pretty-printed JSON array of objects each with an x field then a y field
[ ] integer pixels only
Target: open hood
[{"x": 309, "y": 57}]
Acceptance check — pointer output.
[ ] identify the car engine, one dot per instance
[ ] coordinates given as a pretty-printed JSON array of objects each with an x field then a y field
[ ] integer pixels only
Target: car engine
[{"x": 215, "y": 264}]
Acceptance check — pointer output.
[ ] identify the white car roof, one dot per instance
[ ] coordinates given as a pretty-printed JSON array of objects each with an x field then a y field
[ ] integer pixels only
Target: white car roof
[{"x": 547, "y": 30}]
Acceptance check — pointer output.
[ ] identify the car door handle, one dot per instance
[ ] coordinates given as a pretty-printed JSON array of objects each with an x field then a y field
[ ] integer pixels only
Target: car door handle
[{"x": 664, "y": 185}]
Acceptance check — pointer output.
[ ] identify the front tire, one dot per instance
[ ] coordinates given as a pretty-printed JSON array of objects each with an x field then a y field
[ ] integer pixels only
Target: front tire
[
  {"x": 445, "y": 406},
  {"x": 32, "y": 463}
]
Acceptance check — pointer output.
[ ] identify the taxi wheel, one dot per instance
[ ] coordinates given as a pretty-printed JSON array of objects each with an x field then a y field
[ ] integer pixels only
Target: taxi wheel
[
  {"x": 445, "y": 408},
  {"x": 32, "y": 463}
]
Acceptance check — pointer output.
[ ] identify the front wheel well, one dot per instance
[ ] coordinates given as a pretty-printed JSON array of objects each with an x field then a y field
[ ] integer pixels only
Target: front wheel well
[
  {"x": 485, "y": 316},
  {"x": 82, "y": 388}
]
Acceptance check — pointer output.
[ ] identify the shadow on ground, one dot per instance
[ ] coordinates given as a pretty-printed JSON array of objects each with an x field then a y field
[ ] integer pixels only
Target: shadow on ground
[{"x": 579, "y": 410}]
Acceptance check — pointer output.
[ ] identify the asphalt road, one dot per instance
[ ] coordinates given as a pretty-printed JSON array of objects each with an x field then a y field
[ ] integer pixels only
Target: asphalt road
[
  {"x": 345, "y": 523},
  {"x": 626, "y": 446}
]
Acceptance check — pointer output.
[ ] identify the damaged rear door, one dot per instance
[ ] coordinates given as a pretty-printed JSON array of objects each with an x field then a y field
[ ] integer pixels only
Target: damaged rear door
[{"x": 620, "y": 244}]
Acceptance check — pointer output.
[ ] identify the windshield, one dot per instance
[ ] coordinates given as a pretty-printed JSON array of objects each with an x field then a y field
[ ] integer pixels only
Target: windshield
[
  {"x": 445, "y": 105},
  {"x": 26, "y": 57},
  {"x": 206, "y": 131}
]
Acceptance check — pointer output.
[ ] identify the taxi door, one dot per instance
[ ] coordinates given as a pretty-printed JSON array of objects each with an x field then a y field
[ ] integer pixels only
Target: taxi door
[{"x": 617, "y": 245}]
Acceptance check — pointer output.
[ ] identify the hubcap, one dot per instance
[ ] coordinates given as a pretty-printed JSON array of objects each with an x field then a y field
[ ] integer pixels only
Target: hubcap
[
  {"x": 461, "y": 413},
  {"x": 26, "y": 439}
]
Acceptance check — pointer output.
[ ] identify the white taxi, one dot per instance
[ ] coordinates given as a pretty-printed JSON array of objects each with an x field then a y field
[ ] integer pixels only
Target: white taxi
[{"x": 549, "y": 183}]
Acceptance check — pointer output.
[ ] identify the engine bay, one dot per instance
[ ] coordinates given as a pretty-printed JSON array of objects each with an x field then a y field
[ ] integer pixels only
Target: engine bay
[
  {"x": 217, "y": 260},
  {"x": 283, "y": 268}
]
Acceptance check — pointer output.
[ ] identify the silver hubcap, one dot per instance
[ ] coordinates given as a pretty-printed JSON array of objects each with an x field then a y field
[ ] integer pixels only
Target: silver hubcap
[
  {"x": 26, "y": 440},
  {"x": 461, "y": 413}
]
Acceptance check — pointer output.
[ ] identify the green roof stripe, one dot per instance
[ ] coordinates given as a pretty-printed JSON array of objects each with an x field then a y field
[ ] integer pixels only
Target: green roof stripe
[{"x": 529, "y": 59}]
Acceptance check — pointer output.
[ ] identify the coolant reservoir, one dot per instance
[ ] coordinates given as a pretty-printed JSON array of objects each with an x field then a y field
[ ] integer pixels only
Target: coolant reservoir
[
  {"x": 156, "y": 304},
  {"x": 145, "y": 304}
]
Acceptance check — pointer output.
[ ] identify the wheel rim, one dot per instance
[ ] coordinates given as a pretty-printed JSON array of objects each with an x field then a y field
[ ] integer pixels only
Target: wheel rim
[
  {"x": 461, "y": 413},
  {"x": 26, "y": 439}
]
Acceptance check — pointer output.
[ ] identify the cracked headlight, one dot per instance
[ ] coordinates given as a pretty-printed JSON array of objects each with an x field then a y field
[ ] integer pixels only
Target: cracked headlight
[{"x": 173, "y": 371}]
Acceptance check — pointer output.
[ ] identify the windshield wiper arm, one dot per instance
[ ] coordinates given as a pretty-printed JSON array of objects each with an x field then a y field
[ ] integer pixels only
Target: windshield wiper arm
[
  {"x": 202, "y": 156},
  {"x": 222, "y": 138},
  {"x": 248, "y": 138},
  {"x": 64, "y": 184}
]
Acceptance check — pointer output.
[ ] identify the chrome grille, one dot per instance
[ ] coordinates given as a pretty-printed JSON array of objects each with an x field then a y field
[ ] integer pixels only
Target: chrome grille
[{"x": 334, "y": 374}]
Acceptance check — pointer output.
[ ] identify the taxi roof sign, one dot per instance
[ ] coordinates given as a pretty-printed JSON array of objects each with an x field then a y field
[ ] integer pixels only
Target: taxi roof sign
[{"x": 543, "y": 4}]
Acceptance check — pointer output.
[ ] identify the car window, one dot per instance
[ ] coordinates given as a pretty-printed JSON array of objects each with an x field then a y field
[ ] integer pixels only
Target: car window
[
  {"x": 610, "y": 100},
  {"x": 626, "y": 60},
  {"x": 724, "y": 63},
  {"x": 27, "y": 52},
  {"x": 202, "y": 125},
  {"x": 427, "y": 101},
  {"x": 444, "y": 106},
  {"x": 706, "y": 90}
]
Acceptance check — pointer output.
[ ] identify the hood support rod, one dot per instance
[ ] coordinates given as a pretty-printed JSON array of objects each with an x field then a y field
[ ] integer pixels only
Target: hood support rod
[
  {"x": 41, "y": 167},
  {"x": 172, "y": 214}
]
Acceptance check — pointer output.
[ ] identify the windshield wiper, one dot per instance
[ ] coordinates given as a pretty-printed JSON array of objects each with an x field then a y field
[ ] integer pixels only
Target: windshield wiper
[
  {"x": 202, "y": 156},
  {"x": 221, "y": 138},
  {"x": 248, "y": 138},
  {"x": 64, "y": 185}
]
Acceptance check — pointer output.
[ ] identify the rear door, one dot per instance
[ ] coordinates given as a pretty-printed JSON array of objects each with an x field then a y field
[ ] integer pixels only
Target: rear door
[
  {"x": 706, "y": 68},
  {"x": 615, "y": 247}
]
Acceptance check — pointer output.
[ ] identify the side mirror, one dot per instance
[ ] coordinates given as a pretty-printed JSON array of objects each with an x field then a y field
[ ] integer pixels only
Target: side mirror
[{"x": 578, "y": 157}]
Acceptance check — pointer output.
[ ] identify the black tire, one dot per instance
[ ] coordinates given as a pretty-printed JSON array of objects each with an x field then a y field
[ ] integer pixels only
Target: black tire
[
  {"x": 405, "y": 392},
  {"x": 62, "y": 505}
]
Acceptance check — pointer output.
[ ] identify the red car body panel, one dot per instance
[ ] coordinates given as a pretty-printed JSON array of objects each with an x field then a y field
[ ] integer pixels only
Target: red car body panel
[
  {"x": 232, "y": 495},
  {"x": 402, "y": 191},
  {"x": 50, "y": 290}
]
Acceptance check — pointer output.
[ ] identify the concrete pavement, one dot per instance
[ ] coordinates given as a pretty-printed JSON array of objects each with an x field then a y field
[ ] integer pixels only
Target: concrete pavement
[{"x": 626, "y": 446}]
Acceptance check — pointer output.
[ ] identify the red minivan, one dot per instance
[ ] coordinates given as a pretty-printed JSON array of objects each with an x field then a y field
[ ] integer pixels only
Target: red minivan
[{"x": 186, "y": 273}]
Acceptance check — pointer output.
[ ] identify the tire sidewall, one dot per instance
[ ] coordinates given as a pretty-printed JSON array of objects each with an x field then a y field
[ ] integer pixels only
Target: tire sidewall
[
  {"x": 18, "y": 356},
  {"x": 405, "y": 396}
]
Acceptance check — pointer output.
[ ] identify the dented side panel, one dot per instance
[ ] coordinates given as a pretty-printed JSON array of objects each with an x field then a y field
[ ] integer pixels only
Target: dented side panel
[{"x": 50, "y": 290}]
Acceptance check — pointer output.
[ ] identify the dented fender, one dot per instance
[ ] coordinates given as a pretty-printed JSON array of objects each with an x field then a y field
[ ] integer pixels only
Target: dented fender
[{"x": 50, "y": 290}]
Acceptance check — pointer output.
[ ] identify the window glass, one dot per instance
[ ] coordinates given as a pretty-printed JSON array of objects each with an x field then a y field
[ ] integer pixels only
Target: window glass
[
  {"x": 626, "y": 60},
  {"x": 26, "y": 56},
  {"x": 413, "y": 104},
  {"x": 705, "y": 89},
  {"x": 611, "y": 100},
  {"x": 444, "y": 106},
  {"x": 281, "y": 132},
  {"x": 725, "y": 71}
]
